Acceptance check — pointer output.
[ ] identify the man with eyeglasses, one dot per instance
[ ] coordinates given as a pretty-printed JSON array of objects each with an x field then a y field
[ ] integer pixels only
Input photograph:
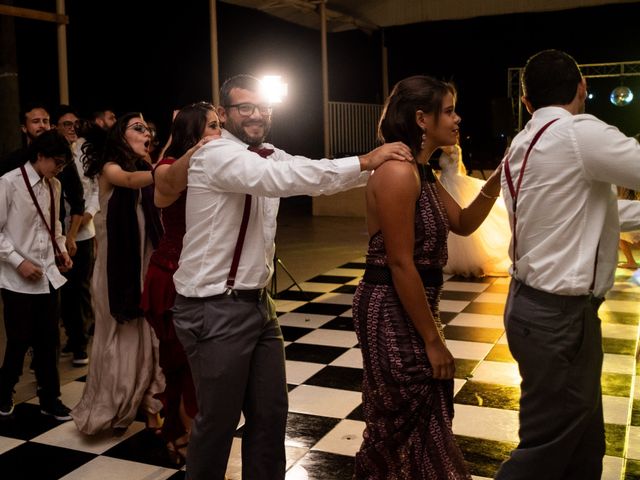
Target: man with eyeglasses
[
  {"x": 80, "y": 204},
  {"x": 105, "y": 119},
  {"x": 32, "y": 255},
  {"x": 223, "y": 314}
]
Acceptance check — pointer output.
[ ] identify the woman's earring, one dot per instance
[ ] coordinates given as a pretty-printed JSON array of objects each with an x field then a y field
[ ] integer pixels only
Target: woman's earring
[{"x": 424, "y": 139}]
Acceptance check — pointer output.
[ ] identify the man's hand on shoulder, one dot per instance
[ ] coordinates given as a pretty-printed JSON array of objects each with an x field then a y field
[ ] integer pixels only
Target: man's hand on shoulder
[{"x": 388, "y": 151}]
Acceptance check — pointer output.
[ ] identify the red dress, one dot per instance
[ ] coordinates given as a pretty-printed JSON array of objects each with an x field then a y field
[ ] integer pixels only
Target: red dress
[{"x": 158, "y": 298}]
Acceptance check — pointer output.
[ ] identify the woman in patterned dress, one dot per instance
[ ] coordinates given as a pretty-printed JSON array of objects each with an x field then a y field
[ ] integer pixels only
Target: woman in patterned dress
[{"x": 408, "y": 371}]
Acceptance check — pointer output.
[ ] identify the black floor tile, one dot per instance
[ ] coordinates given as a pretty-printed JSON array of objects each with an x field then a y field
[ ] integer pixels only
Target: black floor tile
[
  {"x": 484, "y": 456},
  {"x": 330, "y": 279},
  {"x": 460, "y": 278},
  {"x": 628, "y": 296},
  {"x": 143, "y": 447},
  {"x": 456, "y": 295},
  {"x": 485, "y": 308},
  {"x": 472, "y": 334},
  {"x": 616, "y": 384},
  {"x": 339, "y": 323},
  {"x": 356, "y": 414},
  {"x": 360, "y": 265},
  {"x": 297, "y": 295},
  {"x": 291, "y": 334},
  {"x": 619, "y": 346},
  {"x": 622, "y": 318},
  {"x": 42, "y": 462},
  {"x": 307, "y": 430},
  {"x": 464, "y": 368},
  {"x": 323, "y": 308},
  {"x": 614, "y": 436},
  {"x": 446, "y": 317},
  {"x": 26, "y": 422},
  {"x": 489, "y": 395},
  {"x": 345, "y": 289},
  {"x": 632, "y": 472},
  {"x": 343, "y": 378},
  {"x": 322, "y": 465},
  {"x": 304, "y": 352}
]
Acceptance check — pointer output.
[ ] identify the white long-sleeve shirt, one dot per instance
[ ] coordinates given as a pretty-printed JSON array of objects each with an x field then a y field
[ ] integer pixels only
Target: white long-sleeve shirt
[
  {"x": 23, "y": 235},
  {"x": 567, "y": 210},
  {"x": 90, "y": 193},
  {"x": 220, "y": 174}
]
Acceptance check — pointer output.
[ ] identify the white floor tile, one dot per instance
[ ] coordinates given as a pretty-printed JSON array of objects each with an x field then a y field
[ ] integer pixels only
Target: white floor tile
[
  {"x": 616, "y": 409},
  {"x": 478, "y": 320},
  {"x": 328, "y": 402},
  {"x": 351, "y": 358},
  {"x": 66, "y": 435},
  {"x": 615, "y": 330},
  {"x": 490, "y": 297},
  {"x": 355, "y": 281},
  {"x": 70, "y": 394},
  {"x": 298, "y": 372},
  {"x": 348, "y": 313},
  {"x": 618, "y": 363},
  {"x": 287, "y": 305},
  {"x": 346, "y": 272},
  {"x": 344, "y": 439},
  {"x": 485, "y": 422},
  {"x": 633, "y": 450},
  {"x": 503, "y": 340},
  {"x": 106, "y": 468},
  {"x": 624, "y": 306},
  {"x": 468, "y": 350},
  {"x": 333, "y": 338},
  {"x": 319, "y": 287},
  {"x": 305, "y": 320},
  {"x": 234, "y": 467},
  {"x": 502, "y": 373},
  {"x": 337, "y": 298},
  {"x": 7, "y": 443},
  {"x": 611, "y": 468},
  {"x": 465, "y": 286},
  {"x": 458, "y": 383},
  {"x": 452, "y": 305},
  {"x": 502, "y": 281}
]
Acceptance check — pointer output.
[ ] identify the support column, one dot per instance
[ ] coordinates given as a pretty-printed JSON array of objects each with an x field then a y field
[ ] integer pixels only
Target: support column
[
  {"x": 63, "y": 75},
  {"x": 215, "y": 78}
]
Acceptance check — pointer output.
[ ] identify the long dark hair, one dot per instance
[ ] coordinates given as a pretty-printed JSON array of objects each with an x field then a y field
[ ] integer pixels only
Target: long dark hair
[
  {"x": 101, "y": 148},
  {"x": 188, "y": 127},
  {"x": 398, "y": 120}
]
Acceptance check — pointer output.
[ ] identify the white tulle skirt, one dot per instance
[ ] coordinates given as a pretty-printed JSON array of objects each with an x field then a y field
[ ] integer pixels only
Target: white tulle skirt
[{"x": 485, "y": 251}]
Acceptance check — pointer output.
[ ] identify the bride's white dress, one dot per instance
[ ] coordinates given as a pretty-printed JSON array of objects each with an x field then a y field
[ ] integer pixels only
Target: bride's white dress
[{"x": 485, "y": 251}]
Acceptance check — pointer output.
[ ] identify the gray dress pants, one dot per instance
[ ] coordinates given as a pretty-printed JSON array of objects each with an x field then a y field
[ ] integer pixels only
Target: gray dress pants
[
  {"x": 557, "y": 342},
  {"x": 236, "y": 353}
]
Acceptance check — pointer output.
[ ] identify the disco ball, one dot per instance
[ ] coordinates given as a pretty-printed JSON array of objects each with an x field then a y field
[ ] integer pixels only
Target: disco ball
[{"x": 621, "y": 96}]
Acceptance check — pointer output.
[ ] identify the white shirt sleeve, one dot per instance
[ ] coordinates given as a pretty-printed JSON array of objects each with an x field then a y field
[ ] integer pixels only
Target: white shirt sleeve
[
  {"x": 629, "y": 214},
  {"x": 7, "y": 250}
]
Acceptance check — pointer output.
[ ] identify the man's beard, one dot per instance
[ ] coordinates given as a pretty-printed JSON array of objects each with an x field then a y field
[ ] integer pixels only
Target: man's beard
[{"x": 238, "y": 131}]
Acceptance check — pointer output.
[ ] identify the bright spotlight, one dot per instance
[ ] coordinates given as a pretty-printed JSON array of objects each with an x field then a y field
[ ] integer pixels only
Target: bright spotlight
[
  {"x": 273, "y": 88},
  {"x": 590, "y": 96}
]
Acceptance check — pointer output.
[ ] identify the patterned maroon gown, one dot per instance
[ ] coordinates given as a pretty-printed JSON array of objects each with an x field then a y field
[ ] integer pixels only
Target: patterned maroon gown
[
  {"x": 408, "y": 414},
  {"x": 158, "y": 297}
]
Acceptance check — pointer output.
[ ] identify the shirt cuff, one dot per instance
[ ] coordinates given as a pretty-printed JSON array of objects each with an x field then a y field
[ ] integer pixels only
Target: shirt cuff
[
  {"x": 15, "y": 259},
  {"x": 349, "y": 166}
]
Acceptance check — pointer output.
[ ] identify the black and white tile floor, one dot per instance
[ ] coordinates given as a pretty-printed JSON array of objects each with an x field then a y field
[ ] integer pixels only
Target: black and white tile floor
[{"x": 324, "y": 369}]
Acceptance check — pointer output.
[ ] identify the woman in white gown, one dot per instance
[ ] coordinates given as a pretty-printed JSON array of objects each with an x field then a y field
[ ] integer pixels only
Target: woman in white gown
[{"x": 485, "y": 251}]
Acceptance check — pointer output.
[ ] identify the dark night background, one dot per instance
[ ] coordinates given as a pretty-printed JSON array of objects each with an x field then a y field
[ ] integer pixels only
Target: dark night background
[{"x": 154, "y": 56}]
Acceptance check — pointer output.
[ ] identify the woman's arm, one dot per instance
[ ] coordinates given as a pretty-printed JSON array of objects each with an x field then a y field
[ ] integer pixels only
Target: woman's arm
[
  {"x": 464, "y": 221},
  {"x": 171, "y": 180},
  {"x": 115, "y": 175},
  {"x": 395, "y": 188}
]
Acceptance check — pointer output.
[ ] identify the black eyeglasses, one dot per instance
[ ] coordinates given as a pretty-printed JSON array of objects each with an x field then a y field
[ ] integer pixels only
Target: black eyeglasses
[
  {"x": 141, "y": 128},
  {"x": 247, "y": 109},
  {"x": 69, "y": 124}
]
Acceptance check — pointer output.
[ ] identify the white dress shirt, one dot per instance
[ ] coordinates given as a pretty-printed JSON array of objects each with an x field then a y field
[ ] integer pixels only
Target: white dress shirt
[
  {"x": 567, "y": 210},
  {"x": 24, "y": 236},
  {"x": 220, "y": 174},
  {"x": 90, "y": 193}
]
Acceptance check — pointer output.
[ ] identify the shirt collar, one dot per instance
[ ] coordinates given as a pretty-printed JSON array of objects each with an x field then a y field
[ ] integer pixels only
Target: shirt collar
[
  {"x": 550, "y": 113},
  {"x": 33, "y": 176}
]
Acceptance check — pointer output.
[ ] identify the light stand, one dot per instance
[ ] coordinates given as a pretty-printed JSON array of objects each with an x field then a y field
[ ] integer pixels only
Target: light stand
[{"x": 274, "y": 279}]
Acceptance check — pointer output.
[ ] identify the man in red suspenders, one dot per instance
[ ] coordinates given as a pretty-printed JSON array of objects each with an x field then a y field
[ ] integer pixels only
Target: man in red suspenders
[
  {"x": 557, "y": 184},
  {"x": 32, "y": 254}
]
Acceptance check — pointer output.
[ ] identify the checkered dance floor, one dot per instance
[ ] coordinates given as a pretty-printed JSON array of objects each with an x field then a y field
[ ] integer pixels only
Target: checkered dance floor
[{"x": 324, "y": 371}]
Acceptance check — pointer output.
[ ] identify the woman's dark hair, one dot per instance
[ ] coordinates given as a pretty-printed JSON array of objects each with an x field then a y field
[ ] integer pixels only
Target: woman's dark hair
[
  {"x": 398, "y": 120},
  {"x": 550, "y": 77},
  {"x": 188, "y": 127},
  {"x": 111, "y": 146},
  {"x": 49, "y": 144}
]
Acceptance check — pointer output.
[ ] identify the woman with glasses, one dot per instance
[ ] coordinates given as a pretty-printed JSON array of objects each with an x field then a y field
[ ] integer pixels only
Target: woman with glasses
[
  {"x": 124, "y": 375},
  {"x": 193, "y": 126}
]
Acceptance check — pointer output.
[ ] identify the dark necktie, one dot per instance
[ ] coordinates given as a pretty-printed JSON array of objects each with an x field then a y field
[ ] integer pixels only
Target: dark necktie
[{"x": 263, "y": 152}]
